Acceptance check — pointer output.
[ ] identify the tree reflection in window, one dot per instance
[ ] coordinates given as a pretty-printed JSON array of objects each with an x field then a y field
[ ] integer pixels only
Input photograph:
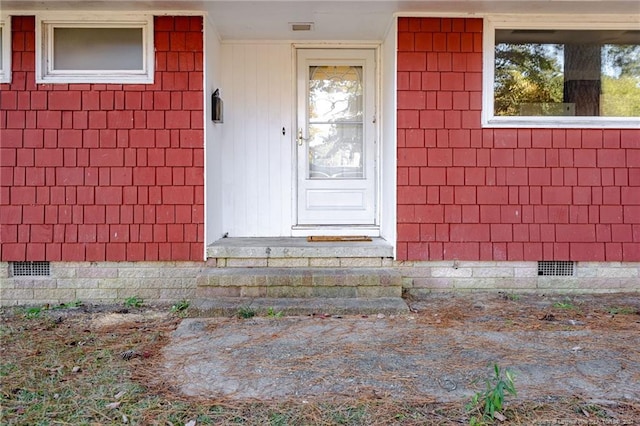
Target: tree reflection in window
[
  {"x": 567, "y": 72},
  {"x": 335, "y": 122}
]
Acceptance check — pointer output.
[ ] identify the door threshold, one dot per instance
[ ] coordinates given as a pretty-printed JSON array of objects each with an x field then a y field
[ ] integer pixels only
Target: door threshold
[{"x": 335, "y": 231}]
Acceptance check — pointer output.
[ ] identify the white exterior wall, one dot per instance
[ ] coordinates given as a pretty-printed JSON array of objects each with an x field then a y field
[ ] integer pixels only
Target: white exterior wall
[
  {"x": 213, "y": 136},
  {"x": 388, "y": 137},
  {"x": 256, "y": 174},
  {"x": 258, "y": 171}
]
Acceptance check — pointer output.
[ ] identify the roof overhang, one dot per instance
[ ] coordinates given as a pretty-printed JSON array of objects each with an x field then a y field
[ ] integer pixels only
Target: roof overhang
[{"x": 332, "y": 20}]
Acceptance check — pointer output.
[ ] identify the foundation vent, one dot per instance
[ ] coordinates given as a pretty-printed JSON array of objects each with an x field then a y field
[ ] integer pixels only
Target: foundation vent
[
  {"x": 555, "y": 268},
  {"x": 30, "y": 269}
]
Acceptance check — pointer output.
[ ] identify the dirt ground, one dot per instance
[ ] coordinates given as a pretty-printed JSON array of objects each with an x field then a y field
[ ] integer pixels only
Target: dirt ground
[
  {"x": 575, "y": 359},
  {"x": 442, "y": 351}
]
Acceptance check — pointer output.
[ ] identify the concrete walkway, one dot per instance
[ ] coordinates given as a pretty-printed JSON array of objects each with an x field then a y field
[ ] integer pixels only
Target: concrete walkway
[{"x": 434, "y": 353}]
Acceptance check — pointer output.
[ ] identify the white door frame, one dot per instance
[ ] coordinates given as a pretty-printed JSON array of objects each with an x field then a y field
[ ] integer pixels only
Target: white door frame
[{"x": 369, "y": 229}]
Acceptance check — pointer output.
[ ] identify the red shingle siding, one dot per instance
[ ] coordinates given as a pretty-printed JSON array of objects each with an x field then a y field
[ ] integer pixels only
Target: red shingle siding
[
  {"x": 104, "y": 172},
  {"x": 501, "y": 194}
]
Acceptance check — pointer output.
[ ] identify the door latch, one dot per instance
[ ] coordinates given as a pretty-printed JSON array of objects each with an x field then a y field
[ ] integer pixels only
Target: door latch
[{"x": 301, "y": 138}]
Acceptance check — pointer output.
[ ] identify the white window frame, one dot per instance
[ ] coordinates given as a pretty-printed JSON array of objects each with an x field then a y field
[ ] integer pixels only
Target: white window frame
[
  {"x": 5, "y": 69},
  {"x": 584, "y": 22},
  {"x": 45, "y": 25}
]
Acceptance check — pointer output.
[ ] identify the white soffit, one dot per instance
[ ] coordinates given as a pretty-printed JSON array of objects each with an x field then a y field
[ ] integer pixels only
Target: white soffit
[{"x": 332, "y": 20}]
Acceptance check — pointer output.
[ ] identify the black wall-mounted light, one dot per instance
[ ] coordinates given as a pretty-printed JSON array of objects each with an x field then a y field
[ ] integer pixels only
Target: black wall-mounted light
[{"x": 216, "y": 107}]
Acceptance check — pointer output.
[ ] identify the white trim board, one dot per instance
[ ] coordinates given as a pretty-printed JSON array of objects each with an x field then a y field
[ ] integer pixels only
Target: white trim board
[
  {"x": 45, "y": 68},
  {"x": 5, "y": 70}
]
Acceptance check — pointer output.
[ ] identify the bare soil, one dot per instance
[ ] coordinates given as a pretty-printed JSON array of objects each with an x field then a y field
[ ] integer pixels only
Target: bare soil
[{"x": 575, "y": 358}]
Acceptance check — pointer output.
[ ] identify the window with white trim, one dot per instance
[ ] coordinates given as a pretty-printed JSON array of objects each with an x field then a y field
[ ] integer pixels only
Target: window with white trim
[
  {"x": 551, "y": 73},
  {"x": 5, "y": 49},
  {"x": 109, "y": 50}
]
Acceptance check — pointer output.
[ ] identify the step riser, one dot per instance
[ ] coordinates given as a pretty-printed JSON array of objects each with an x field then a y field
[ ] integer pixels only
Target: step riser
[
  {"x": 299, "y": 283},
  {"x": 299, "y": 292}
]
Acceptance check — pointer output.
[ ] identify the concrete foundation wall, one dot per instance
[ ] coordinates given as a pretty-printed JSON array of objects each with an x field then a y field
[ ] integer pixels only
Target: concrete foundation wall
[
  {"x": 104, "y": 282},
  {"x": 167, "y": 282},
  {"x": 420, "y": 278}
]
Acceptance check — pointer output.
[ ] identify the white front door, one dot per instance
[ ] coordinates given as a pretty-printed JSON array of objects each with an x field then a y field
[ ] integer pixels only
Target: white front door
[{"x": 336, "y": 137}]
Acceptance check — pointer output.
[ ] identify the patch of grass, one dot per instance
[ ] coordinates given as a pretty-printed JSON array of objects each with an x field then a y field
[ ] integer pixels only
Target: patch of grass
[
  {"x": 624, "y": 310},
  {"x": 33, "y": 312},
  {"x": 278, "y": 419},
  {"x": 487, "y": 405},
  {"x": 133, "y": 302},
  {"x": 180, "y": 308},
  {"x": 73, "y": 304},
  {"x": 565, "y": 305},
  {"x": 271, "y": 313},
  {"x": 6, "y": 368},
  {"x": 510, "y": 296},
  {"x": 246, "y": 312},
  {"x": 350, "y": 415}
]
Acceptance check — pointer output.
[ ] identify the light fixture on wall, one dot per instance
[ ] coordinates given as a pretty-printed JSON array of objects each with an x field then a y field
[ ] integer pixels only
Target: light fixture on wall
[{"x": 216, "y": 107}]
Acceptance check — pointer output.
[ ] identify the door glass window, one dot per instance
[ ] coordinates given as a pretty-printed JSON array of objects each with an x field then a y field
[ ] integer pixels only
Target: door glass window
[{"x": 335, "y": 128}]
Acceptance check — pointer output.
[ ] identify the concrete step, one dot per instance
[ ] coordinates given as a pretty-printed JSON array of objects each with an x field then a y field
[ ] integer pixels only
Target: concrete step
[
  {"x": 291, "y": 248},
  {"x": 299, "y": 283},
  {"x": 232, "y": 306}
]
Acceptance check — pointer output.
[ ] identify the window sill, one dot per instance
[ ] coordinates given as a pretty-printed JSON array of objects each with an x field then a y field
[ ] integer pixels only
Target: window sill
[
  {"x": 99, "y": 79},
  {"x": 563, "y": 122}
]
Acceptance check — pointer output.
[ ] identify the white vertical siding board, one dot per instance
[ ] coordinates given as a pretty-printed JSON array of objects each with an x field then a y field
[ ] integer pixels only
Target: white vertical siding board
[
  {"x": 238, "y": 185},
  {"x": 273, "y": 139},
  {"x": 253, "y": 169},
  {"x": 280, "y": 159},
  {"x": 226, "y": 145},
  {"x": 264, "y": 131}
]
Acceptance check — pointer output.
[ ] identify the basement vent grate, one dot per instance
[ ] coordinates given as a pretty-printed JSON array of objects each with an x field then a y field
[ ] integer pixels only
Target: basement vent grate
[
  {"x": 30, "y": 269},
  {"x": 555, "y": 268}
]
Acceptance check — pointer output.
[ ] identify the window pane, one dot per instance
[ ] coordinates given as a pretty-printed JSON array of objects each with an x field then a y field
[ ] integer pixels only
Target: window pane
[
  {"x": 567, "y": 73},
  {"x": 335, "y": 151},
  {"x": 335, "y": 122},
  {"x": 1, "y": 52},
  {"x": 335, "y": 93},
  {"x": 97, "y": 49}
]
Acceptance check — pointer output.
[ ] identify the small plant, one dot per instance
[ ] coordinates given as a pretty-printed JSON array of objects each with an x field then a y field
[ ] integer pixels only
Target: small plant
[
  {"x": 622, "y": 311},
  {"x": 487, "y": 405},
  {"x": 180, "y": 308},
  {"x": 74, "y": 304},
  {"x": 271, "y": 313},
  {"x": 133, "y": 302},
  {"x": 511, "y": 296},
  {"x": 591, "y": 410},
  {"x": 564, "y": 305},
  {"x": 32, "y": 313},
  {"x": 246, "y": 312}
]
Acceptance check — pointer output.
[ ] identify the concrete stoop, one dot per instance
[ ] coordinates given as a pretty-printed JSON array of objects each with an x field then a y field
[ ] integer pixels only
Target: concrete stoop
[{"x": 301, "y": 290}]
